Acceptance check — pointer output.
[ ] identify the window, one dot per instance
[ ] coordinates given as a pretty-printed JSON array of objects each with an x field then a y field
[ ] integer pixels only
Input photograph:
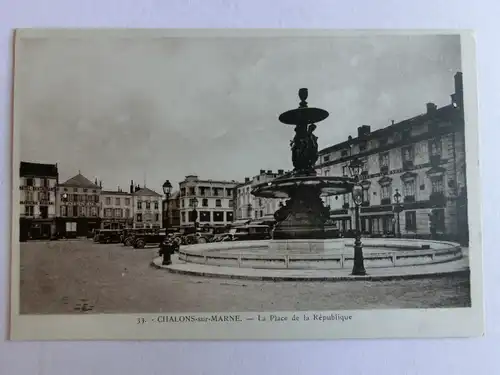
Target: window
[
  {"x": 81, "y": 211},
  {"x": 366, "y": 195},
  {"x": 409, "y": 188},
  {"x": 410, "y": 220},
  {"x": 218, "y": 203},
  {"x": 327, "y": 172},
  {"x": 407, "y": 153},
  {"x": 127, "y": 201},
  {"x": 108, "y": 201},
  {"x": 218, "y": 216},
  {"x": 85, "y": 190},
  {"x": 64, "y": 211},
  {"x": 148, "y": 205},
  {"x": 75, "y": 211},
  {"x": 384, "y": 160},
  {"x": 157, "y": 217},
  {"x": 437, "y": 185},
  {"x": 93, "y": 211},
  {"x": 326, "y": 158},
  {"x": 139, "y": 205},
  {"x": 216, "y": 192},
  {"x": 182, "y": 203},
  {"x": 204, "y": 216},
  {"x": 45, "y": 182},
  {"x": 127, "y": 213},
  {"x": 139, "y": 217},
  {"x": 108, "y": 212},
  {"x": 192, "y": 191},
  {"x": 29, "y": 210},
  {"x": 344, "y": 153},
  {"x": 93, "y": 191},
  {"x": 229, "y": 192},
  {"x": 75, "y": 190},
  {"x": 96, "y": 198},
  {"x": 28, "y": 196},
  {"x": 183, "y": 217},
  {"x": 385, "y": 192},
  {"x": 229, "y": 216},
  {"x": 156, "y": 205},
  {"x": 202, "y": 191},
  {"x": 261, "y": 213},
  {"x": 117, "y": 201},
  {"x": 231, "y": 202},
  {"x": 204, "y": 202},
  {"x": 436, "y": 147},
  {"x": 345, "y": 198},
  {"x": 30, "y": 182},
  {"x": 118, "y": 212},
  {"x": 345, "y": 170}
]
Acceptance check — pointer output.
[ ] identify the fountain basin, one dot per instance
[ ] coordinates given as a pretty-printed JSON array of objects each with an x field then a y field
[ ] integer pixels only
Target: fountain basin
[
  {"x": 378, "y": 253},
  {"x": 311, "y": 246}
]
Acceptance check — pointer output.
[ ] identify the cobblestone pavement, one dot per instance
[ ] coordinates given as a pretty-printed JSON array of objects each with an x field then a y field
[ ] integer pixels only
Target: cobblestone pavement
[{"x": 64, "y": 277}]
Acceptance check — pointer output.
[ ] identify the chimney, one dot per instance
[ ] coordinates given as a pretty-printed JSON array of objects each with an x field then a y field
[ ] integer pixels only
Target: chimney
[
  {"x": 431, "y": 108},
  {"x": 280, "y": 171},
  {"x": 247, "y": 179},
  {"x": 363, "y": 130},
  {"x": 262, "y": 171},
  {"x": 458, "y": 97},
  {"x": 100, "y": 184},
  {"x": 95, "y": 181},
  {"x": 131, "y": 186}
]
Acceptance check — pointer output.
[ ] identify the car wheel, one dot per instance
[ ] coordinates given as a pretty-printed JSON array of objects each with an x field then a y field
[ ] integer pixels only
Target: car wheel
[
  {"x": 128, "y": 242},
  {"x": 202, "y": 240},
  {"x": 139, "y": 244}
]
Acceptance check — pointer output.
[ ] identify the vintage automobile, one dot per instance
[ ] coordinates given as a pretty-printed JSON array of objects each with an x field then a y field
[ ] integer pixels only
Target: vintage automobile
[
  {"x": 109, "y": 236},
  {"x": 154, "y": 237},
  {"x": 130, "y": 234},
  {"x": 96, "y": 235},
  {"x": 250, "y": 232}
]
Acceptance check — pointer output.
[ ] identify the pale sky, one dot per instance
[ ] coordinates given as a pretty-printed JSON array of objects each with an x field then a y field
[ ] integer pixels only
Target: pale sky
[{"x": 162, "y": 108}]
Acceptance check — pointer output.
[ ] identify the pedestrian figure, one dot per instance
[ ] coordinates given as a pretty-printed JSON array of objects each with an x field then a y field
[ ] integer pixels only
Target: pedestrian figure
[{"x": 167, "y": 248}]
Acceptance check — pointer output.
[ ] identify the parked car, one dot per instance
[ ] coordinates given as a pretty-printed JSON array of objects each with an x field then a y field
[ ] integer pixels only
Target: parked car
[
  {"x": 109, "y": 236},
  {"x": 149, "y": 238},
  {"x": 251, "y": 232}
]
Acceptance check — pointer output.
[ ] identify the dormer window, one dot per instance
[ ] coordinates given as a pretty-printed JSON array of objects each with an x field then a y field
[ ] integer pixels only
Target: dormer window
[{"x": 344, "y": 153}]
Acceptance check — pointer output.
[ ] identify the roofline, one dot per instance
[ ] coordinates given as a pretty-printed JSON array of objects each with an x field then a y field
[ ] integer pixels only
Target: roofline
[{"x": 393, "y": 127}]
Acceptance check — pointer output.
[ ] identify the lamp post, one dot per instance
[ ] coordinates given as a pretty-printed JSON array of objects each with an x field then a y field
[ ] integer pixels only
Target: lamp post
[
  {"x": 167, "y": 189},
  {"x": 355, "y": 168},
  {"x": 397, "y": 209},
  {"x": 194, "y": 212}
]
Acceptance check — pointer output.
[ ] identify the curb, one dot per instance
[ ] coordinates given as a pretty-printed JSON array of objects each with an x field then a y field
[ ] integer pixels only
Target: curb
[{"x": 455, "y": 273}]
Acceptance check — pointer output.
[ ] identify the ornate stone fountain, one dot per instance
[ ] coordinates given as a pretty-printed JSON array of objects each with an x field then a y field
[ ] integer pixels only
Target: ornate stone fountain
[{"x": 303, "y": 216}]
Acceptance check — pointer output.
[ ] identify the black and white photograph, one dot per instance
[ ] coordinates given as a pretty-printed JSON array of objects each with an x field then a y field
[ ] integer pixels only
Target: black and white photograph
[{"x": 244, "y": 184}]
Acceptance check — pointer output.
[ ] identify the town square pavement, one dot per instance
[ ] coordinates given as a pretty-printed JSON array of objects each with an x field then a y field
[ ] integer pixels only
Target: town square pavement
[{"x": 80, "y": 276}]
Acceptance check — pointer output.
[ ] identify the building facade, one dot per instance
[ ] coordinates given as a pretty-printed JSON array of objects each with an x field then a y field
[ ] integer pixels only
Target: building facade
[
  {"x": 78, "y": 207},
  {"x": 171, "y": 211},
  {"x": 38, "y": 183},
  {"x": 251, "y": 208},
  {"x": 422, "y": 159},
  {"x": 117, "y": 209},
  {"x": 215, "y": 202},
  {"x": 147, "y": 208}
]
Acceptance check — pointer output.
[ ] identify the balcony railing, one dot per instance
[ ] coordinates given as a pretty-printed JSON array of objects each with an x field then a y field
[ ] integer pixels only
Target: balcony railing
[
  {"x": 435, "y": 159},
  {"x": 409, "y": 199},
  {"x": 385, "y": 201},
  {"x": 408, "y": 164},
  {"x": 437, "y": 198}
]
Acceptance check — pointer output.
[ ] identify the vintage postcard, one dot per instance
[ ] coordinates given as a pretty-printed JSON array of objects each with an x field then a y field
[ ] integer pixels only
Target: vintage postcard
[{"x": 245, "y": 184}]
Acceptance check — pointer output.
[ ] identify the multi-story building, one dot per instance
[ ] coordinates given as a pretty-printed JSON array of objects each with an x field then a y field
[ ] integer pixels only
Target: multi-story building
[
  {"x": 422, "y": 159},
  {"x": 116, "y": 209},
  {"x": 78, "y": 206},
  {"x": 37, "y": 200},
  {"x": 147, "y": 207},
  {"x": 215, "y": 202},
  {"x": 171, "y": 212},
  {"x": 248, "y": 207}
]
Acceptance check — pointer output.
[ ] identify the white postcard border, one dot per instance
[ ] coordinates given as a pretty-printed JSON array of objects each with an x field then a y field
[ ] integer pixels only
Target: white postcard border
[{"x": 396, "y": 323}]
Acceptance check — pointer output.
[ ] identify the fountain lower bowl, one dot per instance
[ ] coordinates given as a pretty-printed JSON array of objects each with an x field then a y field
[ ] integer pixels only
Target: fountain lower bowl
[{"x": 320, "y": 254}]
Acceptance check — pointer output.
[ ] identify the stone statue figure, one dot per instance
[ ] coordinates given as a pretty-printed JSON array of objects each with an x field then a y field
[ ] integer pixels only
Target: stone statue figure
[{"x": 304, "y": 148}]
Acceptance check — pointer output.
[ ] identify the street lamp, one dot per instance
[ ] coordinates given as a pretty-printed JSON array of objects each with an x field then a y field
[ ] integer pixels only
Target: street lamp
[
  {"x": 357, "y": 196},
  {"x": 194, "y": 212},
  {"x": 167, "y": 189},
  {"x": 397, "y": 209}
]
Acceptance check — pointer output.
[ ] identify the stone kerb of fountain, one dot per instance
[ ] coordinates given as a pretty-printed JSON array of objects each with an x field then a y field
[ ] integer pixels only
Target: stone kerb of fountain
[{"x": 378, "y": 253}]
